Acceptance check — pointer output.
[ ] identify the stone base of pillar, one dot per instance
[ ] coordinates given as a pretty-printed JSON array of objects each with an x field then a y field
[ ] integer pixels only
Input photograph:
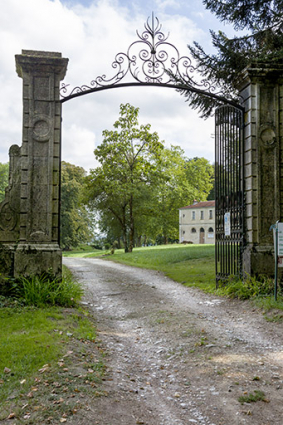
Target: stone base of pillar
[
  {"x": 35, "y": 259},
  {"x": 258, "y": 260},
  {"x": 7, "y": 254}
]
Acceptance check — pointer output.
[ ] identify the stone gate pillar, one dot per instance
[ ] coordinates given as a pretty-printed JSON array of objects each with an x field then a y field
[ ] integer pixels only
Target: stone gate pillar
[
  {"x": 38, "y": 248},
  {"x": 261, "y": 86}
]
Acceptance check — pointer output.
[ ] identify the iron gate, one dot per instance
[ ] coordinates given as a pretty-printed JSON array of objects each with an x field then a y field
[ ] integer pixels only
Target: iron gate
[{"x": 229, "y": 192}]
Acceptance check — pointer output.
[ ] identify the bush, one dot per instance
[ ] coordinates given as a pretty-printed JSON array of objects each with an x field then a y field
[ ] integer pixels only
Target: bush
[
  {"x": 44, "y": 290},
  {"x": 250, "y": 287}
]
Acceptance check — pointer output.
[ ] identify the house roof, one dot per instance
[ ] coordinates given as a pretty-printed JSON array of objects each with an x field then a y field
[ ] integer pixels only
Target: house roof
[{"x": 204, "y": 204}]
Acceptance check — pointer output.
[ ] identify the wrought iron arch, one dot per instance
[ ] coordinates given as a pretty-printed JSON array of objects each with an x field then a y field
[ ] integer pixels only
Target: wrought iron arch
[{"x": 149, "y": 61}]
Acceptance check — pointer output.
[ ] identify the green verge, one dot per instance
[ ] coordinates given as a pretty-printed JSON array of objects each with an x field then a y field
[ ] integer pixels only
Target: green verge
[
  {"x": 31, "y": 338},
  {"x": 41, "y": 349}
]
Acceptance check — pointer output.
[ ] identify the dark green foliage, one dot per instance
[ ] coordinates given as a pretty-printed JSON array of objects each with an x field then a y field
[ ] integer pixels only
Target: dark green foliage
[
  {"x": 76, "y": 220},
  {"x": 263, "y": 43},
  {"x": 250, "y": 287},
  {"x": 45, "y": 290}
]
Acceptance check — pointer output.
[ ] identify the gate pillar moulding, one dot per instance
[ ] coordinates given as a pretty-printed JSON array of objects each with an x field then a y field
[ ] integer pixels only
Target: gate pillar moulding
[
  {"x": 38, "y": 248},
  {"x": 261, "y": 87}
]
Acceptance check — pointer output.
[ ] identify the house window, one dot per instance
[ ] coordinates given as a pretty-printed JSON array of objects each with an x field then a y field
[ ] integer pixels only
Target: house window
[
  {"x": 202, "y": 215},
  {"x": 210, "y": 214},
  {"x": 210, "y": 234},
  {"x": 193, "y": 230},
  {"x": 183, "y": 232},
  {"x": 193, "y": 215},
  {"x": 183, "y": 215}
]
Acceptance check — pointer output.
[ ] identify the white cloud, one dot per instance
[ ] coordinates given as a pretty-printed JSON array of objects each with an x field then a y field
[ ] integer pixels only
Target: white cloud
[{"x": 91, "y": 37}]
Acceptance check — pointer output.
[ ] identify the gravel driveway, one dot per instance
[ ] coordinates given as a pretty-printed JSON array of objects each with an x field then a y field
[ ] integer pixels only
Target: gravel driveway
[{"x": 176, "y": 355}]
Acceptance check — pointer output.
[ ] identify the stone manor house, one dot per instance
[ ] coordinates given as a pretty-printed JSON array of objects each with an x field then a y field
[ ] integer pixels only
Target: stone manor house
[{"x": 197, "y": 223}]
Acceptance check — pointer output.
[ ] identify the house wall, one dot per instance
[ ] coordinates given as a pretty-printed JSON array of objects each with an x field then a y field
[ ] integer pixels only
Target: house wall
[{"x": 187, "y": 223}]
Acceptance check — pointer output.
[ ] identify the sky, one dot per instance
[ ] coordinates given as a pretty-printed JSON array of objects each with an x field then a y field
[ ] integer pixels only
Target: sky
[{"x": 90, "y": 33}]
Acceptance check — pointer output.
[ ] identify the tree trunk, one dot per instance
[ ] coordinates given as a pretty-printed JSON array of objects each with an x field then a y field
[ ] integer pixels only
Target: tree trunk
[
  {"x": 124, "y": 230},
  {"x": 125, "y": 240},
  {"x": 139, "y": 241},
  {"x": 132, "y": 226}
]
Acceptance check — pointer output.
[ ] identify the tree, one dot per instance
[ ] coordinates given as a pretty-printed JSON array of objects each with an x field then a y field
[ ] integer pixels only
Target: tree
[
  {"x": 186, "y": 180},
  {"x": 128, "y": 156},
  {"x": 200, "y": 174},
  {"x": 4, "y": 176},
  {"x": 263, "y": 43},
  {"x": 76, "y": 220}
]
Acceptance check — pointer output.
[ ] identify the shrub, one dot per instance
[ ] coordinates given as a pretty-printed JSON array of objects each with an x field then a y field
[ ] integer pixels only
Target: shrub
[
  {"x": 45, "y": 290},
  {"x": 248, "y": 288}
]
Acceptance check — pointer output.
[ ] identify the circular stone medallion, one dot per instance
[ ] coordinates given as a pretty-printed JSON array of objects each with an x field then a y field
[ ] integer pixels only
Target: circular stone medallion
[
  {"x": 41, "y": 129},
  {"x": 268, "y": 136}
]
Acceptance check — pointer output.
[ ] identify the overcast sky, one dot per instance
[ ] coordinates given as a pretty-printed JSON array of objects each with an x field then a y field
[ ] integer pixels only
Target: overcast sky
[{"x": 90, "y": 33}]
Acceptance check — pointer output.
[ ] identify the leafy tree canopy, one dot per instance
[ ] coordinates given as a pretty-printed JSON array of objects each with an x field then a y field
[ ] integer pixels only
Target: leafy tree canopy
[
  {"x": 76, "y": 220},
  {"x": 128, "y": 156},
  {"x": 263, "y": 42}
]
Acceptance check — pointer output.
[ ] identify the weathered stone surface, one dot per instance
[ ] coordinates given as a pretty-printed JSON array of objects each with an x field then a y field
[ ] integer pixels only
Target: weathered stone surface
[
  {"x": 29, "y": 215},
  {"x": 10, "y": 214},
  {"x": 261, "y": 85},
  {"x": 33, "y": 259}
]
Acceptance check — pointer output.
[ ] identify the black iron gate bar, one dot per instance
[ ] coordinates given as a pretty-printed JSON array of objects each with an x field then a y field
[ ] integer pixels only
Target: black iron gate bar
[{"x": 229, "y": 193}]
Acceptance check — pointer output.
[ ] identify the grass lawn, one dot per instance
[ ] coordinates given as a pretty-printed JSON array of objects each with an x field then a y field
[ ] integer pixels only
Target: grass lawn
[
  {"x": 191, "y": 265},
  {"x": 40, "y": 352}
]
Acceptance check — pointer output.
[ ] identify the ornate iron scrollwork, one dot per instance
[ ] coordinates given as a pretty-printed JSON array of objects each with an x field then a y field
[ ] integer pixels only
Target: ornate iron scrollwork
[{"x": 150, "y": 60}]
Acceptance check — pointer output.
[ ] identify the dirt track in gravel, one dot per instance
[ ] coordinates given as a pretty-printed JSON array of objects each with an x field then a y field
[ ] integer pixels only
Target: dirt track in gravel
[{"x": 176, "y": 355}]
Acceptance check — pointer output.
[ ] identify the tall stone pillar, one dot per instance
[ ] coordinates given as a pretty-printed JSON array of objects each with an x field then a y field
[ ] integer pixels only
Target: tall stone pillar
[
  {"x": 261, "y": 87},
  {"x": 38, "y": 248}
]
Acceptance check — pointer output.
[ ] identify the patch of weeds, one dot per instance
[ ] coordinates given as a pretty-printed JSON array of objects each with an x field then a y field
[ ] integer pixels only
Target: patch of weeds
[
  {"x": 268, "y": 304},
  {"x": 256, "y": 378},
  {"x": 249, "y": 287},
  {"x": 252, "y": 397},
  {"x": 43, "y": 290},
  {"x": 47, "y": 290},
  {"x": 187, "y": 333},
  {"x": 202, "y": 342},
  {"x": 276, "y": 318}
]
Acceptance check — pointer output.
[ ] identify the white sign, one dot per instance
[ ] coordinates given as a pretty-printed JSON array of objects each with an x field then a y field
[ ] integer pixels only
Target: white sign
[
  {"x": 280, "y": 245},
  {"x": 280, "y": 239},
  {"x": 227, "y": 224}
]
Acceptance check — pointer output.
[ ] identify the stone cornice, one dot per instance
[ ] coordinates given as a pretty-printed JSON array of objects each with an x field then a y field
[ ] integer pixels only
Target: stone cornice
[{"x": 40, "y": 61}]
